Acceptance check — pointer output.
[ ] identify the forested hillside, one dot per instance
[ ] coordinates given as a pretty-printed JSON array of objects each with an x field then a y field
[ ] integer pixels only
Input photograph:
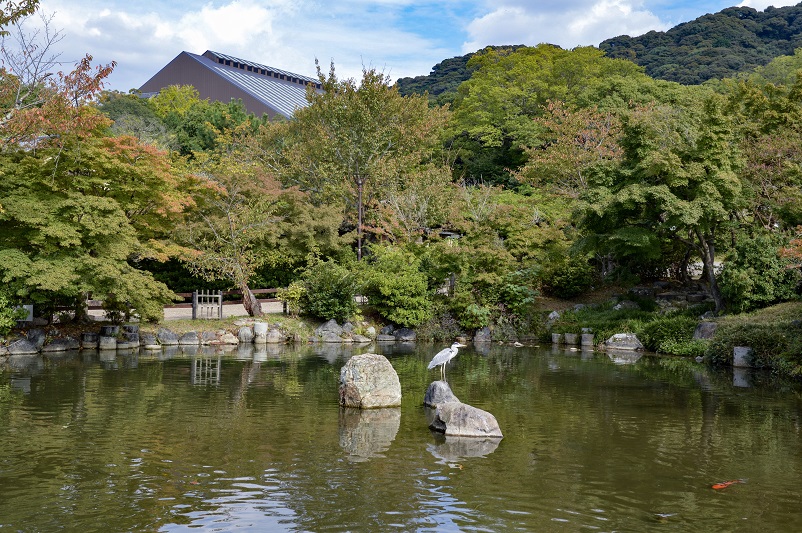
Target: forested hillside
[
  {"x": 720, "y": 45},
  {"x": 446, "y": 76}
]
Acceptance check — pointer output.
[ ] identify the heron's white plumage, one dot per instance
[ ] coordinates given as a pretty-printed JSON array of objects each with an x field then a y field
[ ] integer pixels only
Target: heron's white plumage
[{"x": 444, "y": 356}]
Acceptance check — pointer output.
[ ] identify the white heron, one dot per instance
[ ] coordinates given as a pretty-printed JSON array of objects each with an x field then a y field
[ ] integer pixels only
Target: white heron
[{"x": 443, "y": 357}]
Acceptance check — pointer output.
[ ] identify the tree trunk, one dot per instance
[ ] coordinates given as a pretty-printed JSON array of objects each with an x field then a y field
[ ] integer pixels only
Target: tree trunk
[
  {"x": 708, "y": 251},
  {"x": 249, "y": 300},
  {"x": 359, "y": 216}
]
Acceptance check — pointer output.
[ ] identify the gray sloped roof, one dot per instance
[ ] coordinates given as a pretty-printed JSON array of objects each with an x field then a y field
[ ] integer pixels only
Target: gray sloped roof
[
  {"x": 284, "y": 95},
  {"x": 222, "y": 77}
]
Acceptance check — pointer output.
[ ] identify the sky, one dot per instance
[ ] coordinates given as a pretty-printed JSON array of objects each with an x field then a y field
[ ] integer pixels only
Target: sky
[{"x": 398, "y": 37}]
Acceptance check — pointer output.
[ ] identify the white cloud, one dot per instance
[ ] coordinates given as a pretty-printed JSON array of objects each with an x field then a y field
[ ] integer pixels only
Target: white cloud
[
  {"x": 287, "y": 34},
  {"x": 761, "y": 5},
  {"x": 568, "y": 24}
]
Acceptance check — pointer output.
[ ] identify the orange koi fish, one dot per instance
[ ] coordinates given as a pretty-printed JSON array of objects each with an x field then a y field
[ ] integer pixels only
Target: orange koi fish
[{"x": 725, "y": 484}]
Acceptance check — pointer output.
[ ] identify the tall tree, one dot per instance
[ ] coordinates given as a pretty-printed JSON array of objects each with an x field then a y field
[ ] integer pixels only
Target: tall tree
[
  {"x": 235, "y": 211},
  {"x": 79, "y": 215},
  {"x": 353, "y": 139},
  {"x": 677, "y": 182}
]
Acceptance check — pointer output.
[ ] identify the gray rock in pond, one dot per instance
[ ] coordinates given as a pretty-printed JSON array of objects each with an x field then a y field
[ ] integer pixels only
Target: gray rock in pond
[
  {"x": 405, "y": 335},
  {"x": 228, "y": 338},
  {"x": 387, "y": 330},
  {"x": 208, "y": 337},
  {"x": 329, "y": 337},
  {"x": 107, "y": 343},
  {"x": 483, "y": 335},
  {"x": 361, "y": 339},
  {"x": 167, "y": 337},
  {"x": 189, "y": 338},
  {"x": 61, "y": 345},
  {"x": 274, "y": 336},
  {"x": 381, "y": 337},
  {"x": 329, "y": 327},
  {"x": 348, "y": 327},
  {"x": 371, "y": 331},
  {"x": 369, "y": 381},
  {"x": 89, "y": 340},
  {"x": 245, "y": 335},
  {"x": 463, "y": 420},
  {"x": 624, "y": 341},
  {"x": 438, "y": 393},
  {"x": 22, "y": 347},
  {"x": 742, "y": 356},
  {"x": 149, "y": 342},
  {"x": 131, "y": 328},
  {"x": 37, "y": 337},
  {"x": 705, "y": 330}
]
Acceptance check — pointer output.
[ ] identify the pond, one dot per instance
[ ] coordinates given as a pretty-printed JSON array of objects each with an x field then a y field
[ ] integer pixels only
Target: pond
[{"x": 255, "y": 441}]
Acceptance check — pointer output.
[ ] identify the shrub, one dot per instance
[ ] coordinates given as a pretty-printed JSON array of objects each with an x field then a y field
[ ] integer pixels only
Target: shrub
[
  {"x": 442, "y": 326},
  {"x": 8, "y": 314},
  {"x": 568, "y": 278},
  {"x": 756, "y": 276},
  {"x": 668, "y": 334},
  {"x": 292, "y": 296},
  {"x": 775, "y": 346},
  {"x": 396, "y": 288},
  {"x": 516, "y": 292},
  {"x": 329, "y": 291}
]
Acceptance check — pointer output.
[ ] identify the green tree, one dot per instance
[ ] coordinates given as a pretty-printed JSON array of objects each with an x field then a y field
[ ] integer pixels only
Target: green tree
[
  {"x": 352, "y": 140},
  {"x": 235, "y": 212},
  {"x": 677, "y": 182},
  {"x": 493, "y": 110},
  {"x": 78, "y": 215},
  {"x": 575, "y": 142}
]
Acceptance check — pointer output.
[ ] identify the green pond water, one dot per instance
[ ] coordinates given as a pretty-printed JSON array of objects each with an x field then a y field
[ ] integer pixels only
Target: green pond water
[{"x": 255, "y": 441}]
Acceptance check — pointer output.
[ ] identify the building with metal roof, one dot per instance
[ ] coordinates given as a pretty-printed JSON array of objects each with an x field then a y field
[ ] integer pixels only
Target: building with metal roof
[{"x": 220, "y": 77}]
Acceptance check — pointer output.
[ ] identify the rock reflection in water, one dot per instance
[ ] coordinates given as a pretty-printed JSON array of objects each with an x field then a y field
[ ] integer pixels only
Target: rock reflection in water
[
  {"x": 448, "y": 449},
  {"x": 368, "y": 433},
  {"x": 624, "y": 357}
]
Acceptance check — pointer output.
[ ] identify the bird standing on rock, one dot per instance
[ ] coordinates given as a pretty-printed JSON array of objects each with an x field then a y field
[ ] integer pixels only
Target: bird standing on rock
[{"x": 443, "y": 357}]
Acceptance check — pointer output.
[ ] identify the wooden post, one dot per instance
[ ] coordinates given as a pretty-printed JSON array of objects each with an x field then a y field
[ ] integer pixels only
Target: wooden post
[
  {"x": 194, "y": 305},
  {"x": 220, "y": 305}
]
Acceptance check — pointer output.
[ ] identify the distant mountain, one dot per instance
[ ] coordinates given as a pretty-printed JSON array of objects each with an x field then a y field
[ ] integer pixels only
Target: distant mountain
[
  {"x": 720, "y": 45},
  {"x": 445, "y": 77}
]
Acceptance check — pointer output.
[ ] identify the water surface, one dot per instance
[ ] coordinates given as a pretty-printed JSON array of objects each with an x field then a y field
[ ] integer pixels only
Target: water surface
[{"x": 173, "y": 441}]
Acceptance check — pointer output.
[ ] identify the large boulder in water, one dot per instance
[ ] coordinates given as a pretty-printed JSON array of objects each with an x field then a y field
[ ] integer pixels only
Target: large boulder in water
[
  {"x": 369, "y": 381},
  {"x": 438, "y": 393},
  {"x": 463, "y": 420},
  {"x": 624, "y": 341}
]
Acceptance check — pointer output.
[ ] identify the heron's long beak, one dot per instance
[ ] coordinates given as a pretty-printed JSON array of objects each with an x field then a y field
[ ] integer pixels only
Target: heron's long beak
[{"x": 462, "y": 345}]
